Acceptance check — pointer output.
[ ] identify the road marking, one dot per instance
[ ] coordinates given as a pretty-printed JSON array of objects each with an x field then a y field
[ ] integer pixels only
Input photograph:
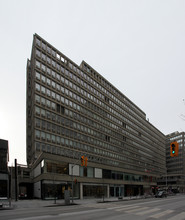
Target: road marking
[
  {"x": 137, "y": 209},
  {"x": 63, "y": 214},
  {"x": 148, "y": 211},
  {"x": 180, "y": 216},
  {"x": 126, "y": 208},
  {"x": 161, "y": 214},
  {"x": 123, "y": 206},
  {"x": 36, "y": 217}
]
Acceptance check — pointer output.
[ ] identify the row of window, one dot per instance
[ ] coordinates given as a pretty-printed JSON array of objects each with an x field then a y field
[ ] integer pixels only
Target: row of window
[
  {"x": 176, "y": 138},
  {"x": 60, "y": 58},
  {"x": 51, "y": 116},
  {"x": 74, "y": 135},
  {"x": 75, "y": 106},
  {"x": 70, "y": 153},
  {"x": 62, "y": 168},
  {"x": 83, "y": 83},
  {"x": 45, "y": 136},
  {"x": 72, "y": 114}
]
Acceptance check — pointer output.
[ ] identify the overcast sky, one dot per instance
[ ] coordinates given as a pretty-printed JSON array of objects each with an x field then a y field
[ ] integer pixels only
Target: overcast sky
[{"x": 138, "y": 46}]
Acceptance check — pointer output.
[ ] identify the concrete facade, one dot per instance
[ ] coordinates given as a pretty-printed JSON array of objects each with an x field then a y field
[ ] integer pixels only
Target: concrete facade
[
  {"x": 174, "y": 179},
  {"x": 73, "y": 111}
]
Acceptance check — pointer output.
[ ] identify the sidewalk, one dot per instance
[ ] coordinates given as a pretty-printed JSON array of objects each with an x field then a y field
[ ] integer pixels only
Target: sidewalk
[{"x": 35, "y": 203}]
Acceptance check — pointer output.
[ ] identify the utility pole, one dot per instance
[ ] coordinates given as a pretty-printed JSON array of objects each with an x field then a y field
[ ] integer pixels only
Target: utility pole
[
  {"x": 15, "y": 179},
  {"x": 72, "y": 180}
]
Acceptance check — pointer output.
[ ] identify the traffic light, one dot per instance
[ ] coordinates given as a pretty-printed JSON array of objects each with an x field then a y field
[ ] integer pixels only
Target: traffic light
[
  {"x": 82, "y": 161},
  {"x": 86, "y": 159},
  {"x": 174, "y": 149},
  {"x": 76, "y": 181}
]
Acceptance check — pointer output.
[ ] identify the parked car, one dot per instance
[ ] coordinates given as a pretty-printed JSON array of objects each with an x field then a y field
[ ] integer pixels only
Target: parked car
[
  {"x": 161, "y": 194},
  {"x": 23, "y": 196}
]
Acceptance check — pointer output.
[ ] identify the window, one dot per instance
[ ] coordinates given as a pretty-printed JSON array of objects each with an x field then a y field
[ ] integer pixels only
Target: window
[
  {"x": 38, "y": 75},
  {"x": 48, "y": 60},
  {"x": 53, "y": 84},
  {"x": 43, "y": 90},
  {"x": 48, "y": 71},
  {"x": 43, "y": 112},
  {"x": 49, "y": 50},
  {"x": 58, "y": 139},
  {"x": 58, "y": 108},
  {"x": 37, "y": 134},
  {"x": 53, "y": 95},
  {"x": 53, "y": 105},
  {"x": 62, "y": 79},
  {"x": 43, "y": 79},
  {"x": 38, "y": 53},
  {"x": 37, "y": 64},
  {"x": 58, "y": 76},
  {"x": 43, "y": 125},
  {"x": 62, "y": 69},
  {"x": 38, "y": 42},
  {"x": 43, "y": 57},
  {"x": 37, "y": 146},
  {"x": 48, "y": 92},
  {"x": 53, "y": 138},
  {"x": 58, "y": 56},
  {"x": 43, "y": 101},
  {"x": 43, "y": 135},
  {"x": 58, "y": 97},
  {"x": 43, "y": 46},
  {"x": 37, "y": 110},
  {"x": 58, "y": 87},
  {"x": 53, "y": 53},
  {"x": 90, "y": 172},
  {"x": 53, "y": 63},
  {"x": 48, "y": 82},
  {"x": 37, "y": 122},
  {"x": 53, "y": 74},
  {"x": 37, "y": 98},
  {"x": 37, "y": 86}
]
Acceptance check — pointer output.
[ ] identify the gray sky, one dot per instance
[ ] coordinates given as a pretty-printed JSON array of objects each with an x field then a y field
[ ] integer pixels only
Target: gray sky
[{"x": 137, "y": 45}]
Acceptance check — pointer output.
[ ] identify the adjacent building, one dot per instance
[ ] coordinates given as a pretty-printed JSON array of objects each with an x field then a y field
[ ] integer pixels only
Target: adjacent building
[
  {"x": 73, "y": 111},
  {"x": 174, "y": 179},
  {"x": 4, "y": 172}
]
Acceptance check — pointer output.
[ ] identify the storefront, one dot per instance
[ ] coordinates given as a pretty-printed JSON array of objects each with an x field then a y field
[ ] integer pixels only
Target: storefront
[
  {"x": 133, "y": 190},
  {"x": 117, "y": 190},
  {"x": 95, "y": 191},
  {"x": 55, "y": 190}
]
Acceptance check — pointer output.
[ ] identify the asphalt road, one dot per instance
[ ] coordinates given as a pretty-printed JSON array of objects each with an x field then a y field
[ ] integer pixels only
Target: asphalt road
[{"x": 171, "y": 208}]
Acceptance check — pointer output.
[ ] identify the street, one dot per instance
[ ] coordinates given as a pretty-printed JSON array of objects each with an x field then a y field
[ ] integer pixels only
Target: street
[{"x": 171, "y": 208}]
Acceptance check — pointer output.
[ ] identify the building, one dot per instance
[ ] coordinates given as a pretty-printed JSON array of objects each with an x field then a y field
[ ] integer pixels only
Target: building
[
  {"x": 73, "y": 111},
  {"x": 174, "y": 179},
  {"x": 21, "y": 182},
  {"x": 4, "y": 172}
]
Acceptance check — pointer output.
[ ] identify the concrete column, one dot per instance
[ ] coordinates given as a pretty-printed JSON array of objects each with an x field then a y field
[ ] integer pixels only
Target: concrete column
[
  {"x": 108, "y": 190},
  {"x": 81, "y": 190}
]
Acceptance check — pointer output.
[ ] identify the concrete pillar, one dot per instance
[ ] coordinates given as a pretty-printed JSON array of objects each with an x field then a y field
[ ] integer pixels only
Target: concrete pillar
[
  {"x": 81, "y": 190},
  {"x": 108, "y": 191}
]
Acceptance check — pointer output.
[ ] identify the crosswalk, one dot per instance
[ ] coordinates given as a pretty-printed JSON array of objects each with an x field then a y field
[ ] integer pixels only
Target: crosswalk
[{"x": 140, "y": 210}]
